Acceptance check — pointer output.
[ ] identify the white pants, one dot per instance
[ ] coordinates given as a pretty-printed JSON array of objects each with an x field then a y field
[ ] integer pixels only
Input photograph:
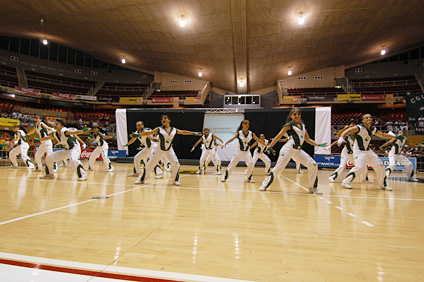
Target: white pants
[
  {"x": 235, "y": 160},
  {"x": 264, "y": 158},
  {"x": 344, "y": 158},
  {"x": 207, "y": 156},
  {"x": 46, "y": 147},
  {"x": 299, "y": 156},
  {"x": 61, "y": 155},
  {"x": 23, "y": 151},
  {"x": 143, "y": 155},
  {"x": 369, "y": 157},
  {"x": 393, "y": 158},
  {"x": 100, "y": 150},
  {"x": 156, "y": 155}
]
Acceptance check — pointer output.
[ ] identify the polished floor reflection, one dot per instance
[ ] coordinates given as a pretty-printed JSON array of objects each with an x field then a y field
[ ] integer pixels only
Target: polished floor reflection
[{"x": 212, "y": 229}]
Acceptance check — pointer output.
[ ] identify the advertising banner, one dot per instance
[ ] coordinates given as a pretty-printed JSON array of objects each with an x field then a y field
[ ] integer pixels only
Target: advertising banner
[
  {"x": 414, "y": 104},
  {"x": 373, "y": 97},
  {"x": 27, "y": 91},
  {"x": 320, "y": 98},
  {"x": 112, "y": 154},
  {"x": 175, "y": 102},
  {"x": 334, "y": 162},
  {"x": 87, "y": 98},
  {"x": 9, "y": 122},
  {"x": 62, "y": 96},
  {"x": 131, "y": 100},
  {"x": 390, "y": 100},
  {"x": 348, "y": 97},
  {"x": 162, "y": 99},
  {"x": 292, "y": 99},
  {"x": 193, "y": 100}
]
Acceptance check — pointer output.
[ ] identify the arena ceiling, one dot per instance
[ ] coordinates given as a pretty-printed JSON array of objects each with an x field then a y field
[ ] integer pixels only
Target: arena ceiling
[{"x": 257, "y": 41}]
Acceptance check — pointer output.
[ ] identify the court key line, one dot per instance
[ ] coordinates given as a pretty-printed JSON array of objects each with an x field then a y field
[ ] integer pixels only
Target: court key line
[{"x": 330, "y": 203}]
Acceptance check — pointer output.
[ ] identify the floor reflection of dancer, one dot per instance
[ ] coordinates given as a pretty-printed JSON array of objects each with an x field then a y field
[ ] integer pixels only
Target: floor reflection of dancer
[
  {"x": 244, "y": 136},
  {"x": 209, "y": 151},
  {"x": 362, "y": 153},
  {"x": 166, "y": 135},
  {"x": 398, "y": 142},
  {"x": 296, "y": 130}
]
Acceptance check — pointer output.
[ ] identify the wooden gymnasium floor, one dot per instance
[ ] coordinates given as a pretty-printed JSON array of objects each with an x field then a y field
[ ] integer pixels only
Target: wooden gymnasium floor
[{"x": 206, "y": 229}]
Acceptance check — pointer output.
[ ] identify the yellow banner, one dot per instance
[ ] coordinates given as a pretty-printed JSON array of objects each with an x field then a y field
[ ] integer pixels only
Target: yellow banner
[
  {"x": 131, "y": 100},
  {"x": 9, "y": 122},
  {"x": 292, "y": 99},
  {"x": 347, "y": 97},
  {"x": 193, "y": 100}
]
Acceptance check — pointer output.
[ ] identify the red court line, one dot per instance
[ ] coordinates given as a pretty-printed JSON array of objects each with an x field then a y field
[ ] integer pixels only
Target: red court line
[{"x": 83, "y": 272}]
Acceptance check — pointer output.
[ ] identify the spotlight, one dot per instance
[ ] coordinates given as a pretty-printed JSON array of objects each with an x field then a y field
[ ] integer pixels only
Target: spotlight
[
  {"x": 45, "y": 42},
  {"x": 200, "y": 73},
  {"x": 383, "y": 52},
  {"x": 182, "y": 22},
  {"x": 301, "y": 19},
  {"x": 123, "y": 60},
  {"x": 290, "y": 72}
]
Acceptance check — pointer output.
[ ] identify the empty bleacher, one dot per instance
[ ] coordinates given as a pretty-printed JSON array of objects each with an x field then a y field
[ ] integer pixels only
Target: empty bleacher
[
  {"x": 324, "y": 91},
  {"x": 395, "y": 85},
  {"x": 123, "y": 89},
  {"x": 179, "y": 93},
  {"x": 50, "y": 83},
  {"x": 8, "y": 76}
]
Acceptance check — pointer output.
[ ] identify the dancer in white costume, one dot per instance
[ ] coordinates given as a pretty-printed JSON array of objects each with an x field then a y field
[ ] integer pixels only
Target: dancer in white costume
[
  {"x": 102, "y": 148},
  {"x": 166, "y": 135},
  {"x": 208, "y": 151},
  {"x": 65, "y": 136},
  {"x": 244, "y": 136},
  {"x": 361, "y": 150},
  {"x": 296, "y": 130},
  {"x": 145, "y": 146},
  {"x": 21, "y": 147},
  {"x": 298, "y": 165},
  {"x": 260, "y": 153},
  {"x": 395, "y": 155}
]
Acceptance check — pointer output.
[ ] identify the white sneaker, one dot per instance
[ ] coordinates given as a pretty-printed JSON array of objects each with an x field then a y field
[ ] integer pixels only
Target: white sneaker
[
  {"x": 251, "y": 180},
  {"x": 111, "y": 169},
  {"x": 198, "y": 172},
  {"x": 159, "y": 176},
  {"x": 82, "y": 178},
  {"x": 177, "y": 183},
  {"x": 346, "y": 185},
  {"x": 223, "y": 179},
  {"x": 299, "y": 171},
  {"x": 262, "y": 188},
  {"x": 331, "y": 179},
  {"x": 139, "y": 182},
  {"x": 245, "y": 172},
  {"x": 54, "y": 170},
  {"x": 315, "y": 191},
  {"x": 133, "y": 175},
  {"x": 387, "y": 188},
  {"x": 414, "y": 179},
  {"x": 47, "y": 176}
]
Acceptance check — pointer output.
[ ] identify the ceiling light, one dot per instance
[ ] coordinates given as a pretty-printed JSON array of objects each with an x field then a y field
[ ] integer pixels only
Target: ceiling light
[
  {"x": 45, "y": 42},
  {"x": 383, "y": 52},
  {"x": 200, "y": 73},
  {"x": 301, "y": 19},
  {"x": 123, "y": 60},
  {"x": 182, "y": 22},
  {"x": 241, "y": 83},
  {"x": 290, "y": 72}
]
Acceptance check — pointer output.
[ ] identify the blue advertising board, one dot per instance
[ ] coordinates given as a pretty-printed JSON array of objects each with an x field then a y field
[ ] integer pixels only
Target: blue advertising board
[{"x": 334, "y": 161}]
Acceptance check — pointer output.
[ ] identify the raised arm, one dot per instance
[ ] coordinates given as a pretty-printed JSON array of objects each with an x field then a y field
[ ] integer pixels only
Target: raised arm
[
  {"x": 195, "y": 145},
  {"x": 216, "y": 137},
  {"x": 32, "y": 131},
  {"x": 312, "y": 142},
  {"x": 279, "y": 135},
  {"x": 45, "y": 126},
  {"x": 257, "y": 139},
  {"x": 350, "y": 131},
  {"x": 384, "y": 135},
  {"x": 232, "y": 139},
  {"x": 187, "y": 132},
  {"x": 388, "y": 143}
]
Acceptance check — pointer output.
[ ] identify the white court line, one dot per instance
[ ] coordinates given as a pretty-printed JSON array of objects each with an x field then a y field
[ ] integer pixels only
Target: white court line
[
  {"x": 329, "y": 202},
  {"x": 338, "y": 207},
  {"x": 351, "y": 214},
  {"x": 80, "y": 203},
  {"x": 367, "y": 223},
  {"x": 118, "y": 270}
]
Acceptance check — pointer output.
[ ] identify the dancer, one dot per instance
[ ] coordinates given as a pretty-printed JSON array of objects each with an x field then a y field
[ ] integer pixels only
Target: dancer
[
  {"x": 260, "y": 153},
  {"x": 46, "y": 147},
  {"x": 208, "y": 151},
  {"x": 361, "y": 150},
  {"x": 21, "y": 147},
  {"x": 244, "y": 136},
  {"x": 102, "y": 148},
  {"x": 296, "y": 130},
  {"x": 166, "y": 135},
  {"x": 397, "y": 143},
  {"x": 65, "y": 135},
  {"x": 298, "y": 165}
]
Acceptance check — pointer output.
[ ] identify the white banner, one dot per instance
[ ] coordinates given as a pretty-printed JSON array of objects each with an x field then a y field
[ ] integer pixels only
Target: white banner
[
  {"x": 322, "y": 129},
  {"x": 121, "y": 129}
]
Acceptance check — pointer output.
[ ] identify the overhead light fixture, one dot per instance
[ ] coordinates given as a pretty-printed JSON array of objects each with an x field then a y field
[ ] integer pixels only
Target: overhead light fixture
[
  {"x": 301, "y": 19},
  {"x": 383, "y": 52},
  {"x": 200, "y": 73},
  {"x": 123, "y": 60},
  {"x": 290, "y": 72},
  {"x": 241, "y": 83},
  {"x": 182, "y": 21},
  {"x": 45, "y": 41}
]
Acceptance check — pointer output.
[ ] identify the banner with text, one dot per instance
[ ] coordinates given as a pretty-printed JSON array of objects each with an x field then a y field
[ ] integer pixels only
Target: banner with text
[
  {"x": 131, "y": 100},
  {"x": 193, "y": 100},
  {"x": 373, "y": 97},
  {"x": 62, "y": 96},
  {"x": 162, "y": 100},
  {"x": 349, "y": 97},
  {"x": 414, "y": 104},
  {"x": 27, "y": 91},
  {"x": 292, "y": 99}
]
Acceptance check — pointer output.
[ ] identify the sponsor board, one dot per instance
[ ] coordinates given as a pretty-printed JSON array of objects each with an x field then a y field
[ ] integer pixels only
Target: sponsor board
[
  {"x": 63, "y": 96},
  {"x": 176, "y": 102},
  {"x": 373, "y": 97},
  {"x": 193, "y": 100},
  {"x": 87, "y": 98},
  {"x": 334, "y": 161},
  {"x": 390, "y": 100},
  {"x": 9, "y": 121},
  {"x": 320, "y": 98},
  {"x": 292, "y": 99},
  {"x": 162, "y": 99},
  {"x": 112, "y": 154},
  {"x": 131, "y": 100},
  {"x": 349, "y": 97},
  {"x": 27, "y": 91}
]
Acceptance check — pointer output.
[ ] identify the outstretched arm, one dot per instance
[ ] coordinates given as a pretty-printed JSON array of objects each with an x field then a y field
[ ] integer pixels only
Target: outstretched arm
[
  {"x": 350, "y": 131},
  {"x": 232, "y": 139},
  {"x": 253, "y": 145},
  {"x": 384, "y": 135},
  {"x": 187, "y": 132},
  {"x": 257, "y": 139},
  {"x": 195, "y": 145},
  {"x": 216, "y": 137},
  {"x": 312, "y": 142}
]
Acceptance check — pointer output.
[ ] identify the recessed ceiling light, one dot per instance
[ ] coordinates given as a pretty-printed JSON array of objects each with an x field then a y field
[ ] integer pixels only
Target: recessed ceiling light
[
  {"x": 45, "y": 42},
  {"x": 200, "y": 73},
  {"x": 383, "y": 52},
  {"x": 182, "y": 22},
  {"x": 241, "y": 83},
  {"x": 290, "y": 72},
  {"x": 301, "y": 19},
  {"x": 123, "y": 60}
]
